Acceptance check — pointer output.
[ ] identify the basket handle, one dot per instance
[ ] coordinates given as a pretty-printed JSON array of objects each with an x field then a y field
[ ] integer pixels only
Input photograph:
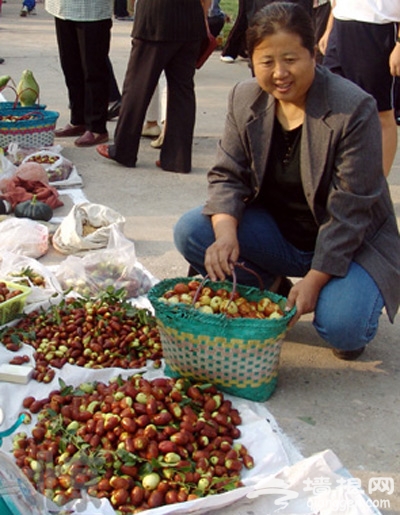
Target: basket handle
[{"x": 234, "y": 282}]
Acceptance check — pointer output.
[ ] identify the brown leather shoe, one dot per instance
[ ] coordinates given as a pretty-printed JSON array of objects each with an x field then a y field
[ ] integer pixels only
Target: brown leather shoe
[
  {"x": 90, "y": 139},
  {"x": 70, "y": 130},
  {"x": 103, "y": 150}
]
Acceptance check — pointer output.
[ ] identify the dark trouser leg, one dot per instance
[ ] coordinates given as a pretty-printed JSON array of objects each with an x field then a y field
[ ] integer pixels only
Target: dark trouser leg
[
  {"x": 120, "y": 8},
  {"x": 146, "y": 62},
  {"x": 235, "y": 44},
  {"x": 71, "y": 65},
  {"x": 216, "y": 24},
  {"x": 94, "y": 42},
  {"x": 115, "y": 94},
  {"x": 176, "y": 152}
]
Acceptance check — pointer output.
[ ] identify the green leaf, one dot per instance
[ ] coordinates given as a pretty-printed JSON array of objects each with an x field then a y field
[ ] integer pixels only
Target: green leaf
[
  {"x": 145, "y": 469},
  {"x": 308, "y": 420}
]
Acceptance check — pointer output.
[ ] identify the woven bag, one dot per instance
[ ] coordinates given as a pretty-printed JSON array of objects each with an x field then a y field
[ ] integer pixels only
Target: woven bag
[
  {"x": 26, "y": 127},
  {"x": 238, "y": 355}
]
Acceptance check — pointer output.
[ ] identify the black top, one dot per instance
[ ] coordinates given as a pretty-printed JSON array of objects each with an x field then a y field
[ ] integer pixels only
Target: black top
[
  {"x": 282, "y": 190},
  {"x": 169, "y": 20}
]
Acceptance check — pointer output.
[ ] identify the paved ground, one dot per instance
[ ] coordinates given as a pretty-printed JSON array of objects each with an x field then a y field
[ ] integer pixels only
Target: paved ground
[{"x": 320, "y": 402}]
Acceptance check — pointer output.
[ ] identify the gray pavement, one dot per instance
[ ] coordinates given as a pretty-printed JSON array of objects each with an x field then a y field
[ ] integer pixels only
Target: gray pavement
[{"x": 320, "y": 402}]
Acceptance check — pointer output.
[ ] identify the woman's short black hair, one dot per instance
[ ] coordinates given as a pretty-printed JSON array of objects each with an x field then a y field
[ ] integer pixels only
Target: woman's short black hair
[{"x": 281, "y": 16}]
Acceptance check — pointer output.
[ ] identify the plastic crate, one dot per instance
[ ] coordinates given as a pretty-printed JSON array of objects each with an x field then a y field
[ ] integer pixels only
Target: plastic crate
[{"x": 11, "y": 308}]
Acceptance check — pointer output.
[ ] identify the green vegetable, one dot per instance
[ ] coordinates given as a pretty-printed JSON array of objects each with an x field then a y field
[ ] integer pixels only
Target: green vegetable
[
  {"x": 33, "y": 209},
  {"x": 4, "y": 80},
  {"x": 27, "y": 89}
]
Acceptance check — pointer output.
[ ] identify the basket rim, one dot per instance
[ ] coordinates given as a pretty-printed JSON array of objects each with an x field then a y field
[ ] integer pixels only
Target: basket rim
[{"x": 163, "y": 310}]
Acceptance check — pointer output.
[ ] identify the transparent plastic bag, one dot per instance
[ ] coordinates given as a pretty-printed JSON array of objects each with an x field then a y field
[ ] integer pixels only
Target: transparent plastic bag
[
  {"x": 57, "y": 167},
  {"x": 24, "y": 236},
  {"x": 115, "y": 266},
  {"x": 27, "y": 271}
]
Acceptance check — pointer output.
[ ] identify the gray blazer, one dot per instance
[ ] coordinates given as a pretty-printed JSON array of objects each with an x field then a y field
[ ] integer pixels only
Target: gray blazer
[{"x": 341, "y": 170}]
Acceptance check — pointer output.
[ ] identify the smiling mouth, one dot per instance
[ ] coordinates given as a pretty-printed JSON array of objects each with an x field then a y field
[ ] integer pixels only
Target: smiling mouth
[{"x": 283, "y": 88}]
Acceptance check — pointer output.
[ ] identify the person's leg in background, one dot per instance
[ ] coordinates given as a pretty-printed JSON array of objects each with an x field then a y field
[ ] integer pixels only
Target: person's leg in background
[
  {"x": 397, "y": 100},
  {"x": 367, "y": 65},
  {"x": 235, "y": 43},
  {"x": 176, "y": 152},
  {"x": 94, "y": 41},
  {"x": 121, "y": 10},
  {"x": 114, "y": 99},
  {"x": 146, "y": 62},
  {"x": 71, "y": 65},
  {"x": 151, "y": 129},
  {"x": 389, "y": 139},
  {"x": 320, "y": 17},
  {"x": 28, "y": 7}
]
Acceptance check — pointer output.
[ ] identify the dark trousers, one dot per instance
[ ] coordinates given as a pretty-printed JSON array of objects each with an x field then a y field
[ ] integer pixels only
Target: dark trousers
[
  {"x": 236, "y": 42},
  {"x": 216, "y": 24},
  {"x": 115, "y": 94},
  {"x": 120, "y": 8},
  {"x": 397, "y": 96},
  {"x": 146, "y": 62},
  {"x": 83, "y": 48}
]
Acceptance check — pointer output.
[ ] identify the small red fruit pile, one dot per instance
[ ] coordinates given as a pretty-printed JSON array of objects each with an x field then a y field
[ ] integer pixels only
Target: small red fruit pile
[
  {"x": 220, "y": 300},
  {"x": 98, "y": 333},
  {"x": 139, "y": 443},
  {"x": 6, "y": 293}
]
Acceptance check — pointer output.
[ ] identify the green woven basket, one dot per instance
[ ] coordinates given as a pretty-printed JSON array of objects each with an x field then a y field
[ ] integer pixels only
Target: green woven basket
[{"x": 239, "y": 355}]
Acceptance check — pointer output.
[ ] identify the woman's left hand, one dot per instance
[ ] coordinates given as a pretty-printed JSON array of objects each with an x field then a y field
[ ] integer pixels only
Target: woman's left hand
[{"x": 304, "y": 294}]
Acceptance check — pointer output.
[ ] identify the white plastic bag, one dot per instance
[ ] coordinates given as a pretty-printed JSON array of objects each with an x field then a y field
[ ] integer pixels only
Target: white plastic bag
[
  {"x": 24, "y": 236},
  {"x": 86, "y": 227}
]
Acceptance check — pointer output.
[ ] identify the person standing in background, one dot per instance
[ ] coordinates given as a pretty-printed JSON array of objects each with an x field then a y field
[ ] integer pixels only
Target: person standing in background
[
  {"x": 166, "y": 37},
  {"x": 83, "y": 31},
  {"x": 236, "y": 42},
  {"x": 362, "y": 43},
  {"x": 320, "y": 15},
  {"x": 121, "y": 11},
  {"x": 28, "y": 7}
]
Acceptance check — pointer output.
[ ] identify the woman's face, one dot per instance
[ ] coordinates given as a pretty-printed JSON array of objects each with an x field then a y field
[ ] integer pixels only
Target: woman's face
[{"x": 284, "y": 68}]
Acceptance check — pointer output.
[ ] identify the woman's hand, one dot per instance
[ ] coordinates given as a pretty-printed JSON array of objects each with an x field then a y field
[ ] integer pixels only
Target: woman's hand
[
  {"x": 221, "y": 255},
  {"x": 304, "y": 294}
]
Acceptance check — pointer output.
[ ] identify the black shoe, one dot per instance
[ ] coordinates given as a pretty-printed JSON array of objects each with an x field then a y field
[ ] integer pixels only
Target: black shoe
[
  {"x": 1, "y": 60},
  {"x": 348, "y": 355},
  {"x": 113, "y": 110}
]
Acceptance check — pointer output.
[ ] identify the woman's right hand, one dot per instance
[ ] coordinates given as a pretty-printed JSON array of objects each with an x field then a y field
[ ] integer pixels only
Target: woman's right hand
[{"x": 221, "y": 254}]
